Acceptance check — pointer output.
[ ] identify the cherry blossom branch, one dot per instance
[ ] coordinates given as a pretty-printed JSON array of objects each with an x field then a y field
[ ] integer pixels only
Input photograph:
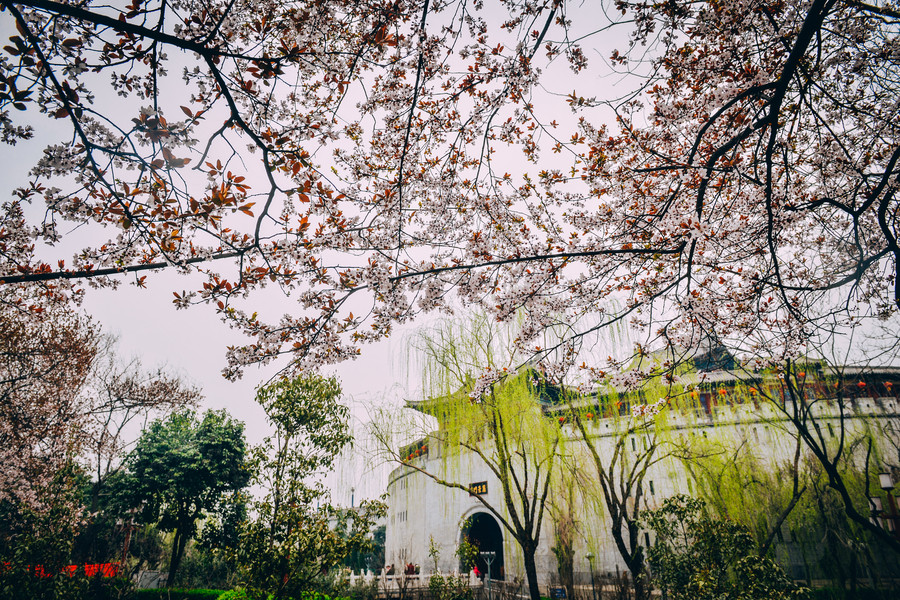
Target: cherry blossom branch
[
  {"x": 87, "y": 273},
  {"x": 537, "y": 258}
]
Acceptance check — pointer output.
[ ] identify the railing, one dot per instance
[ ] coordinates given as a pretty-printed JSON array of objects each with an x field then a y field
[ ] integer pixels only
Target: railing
[{"x": 416, "y": 587}]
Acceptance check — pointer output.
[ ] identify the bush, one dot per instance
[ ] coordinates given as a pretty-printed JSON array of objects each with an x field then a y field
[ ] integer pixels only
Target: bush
[
  {"x": 698, "y": 558},
  {"x": 17, "y": 584},
  {"x": 450, "y": 588},
  {"x": 831, "y": 593},
  {"x": 235, "y": 594},
  {"x": 203, "y": 569},
  {"x": 339, "y": 587},
  {"x": 179, "y": 594}
]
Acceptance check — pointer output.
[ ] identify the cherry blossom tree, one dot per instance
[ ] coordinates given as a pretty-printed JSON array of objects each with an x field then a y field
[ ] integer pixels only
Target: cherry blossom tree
[
  {"x": 721, "y": 169},
  {"x": 45, "y": 357},
  {"x": 66, "y": 398}
]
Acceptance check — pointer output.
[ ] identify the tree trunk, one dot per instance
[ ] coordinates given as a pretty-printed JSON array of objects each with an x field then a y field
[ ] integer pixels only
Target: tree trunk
[
  {"x": 639, "y": 574},
  {"x": 567, "y": 573},
  {"x": 178, "y": 545},
  {"x": 531, "y": 571}
]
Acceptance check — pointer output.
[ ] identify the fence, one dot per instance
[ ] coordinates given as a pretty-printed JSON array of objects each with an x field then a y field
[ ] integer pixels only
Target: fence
[{"x": 454, "y": 586}]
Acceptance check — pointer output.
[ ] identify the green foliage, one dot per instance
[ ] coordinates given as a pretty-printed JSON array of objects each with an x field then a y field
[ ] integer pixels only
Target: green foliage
[
  {"x": 698, "y": 558},
  {"x": 467, "y": 553},
  {"x": 301, "y": 548},
  {"x": 840, "y": 547},
  {"x": 564, "y": 511},
  {"x": 205, "y": 568},
  {"x": 795, "y": 495},
  {"x": 235, "y": 594},
  {"x": 180, "y": 469},
  {"x": 371, "y": 556},
  {"x": 340, "y": 587},
  {"x": 147, "y": 548},
  {"x": 182, "y": 466},
  {"x": 103, "y": 536},
  {"x": 223, "y": 527},
  {"x": 17, "y": 584},
  {"x": 434, "y": 553},
  {"x": 490, "y": 411},
  {"x": 41, "y": 533},
  {"x": 181, "y": 594},
  {"x": 449, "y": 587},
  {"x": 311, "y": 428},
  {"x": 290, "y": 543}
]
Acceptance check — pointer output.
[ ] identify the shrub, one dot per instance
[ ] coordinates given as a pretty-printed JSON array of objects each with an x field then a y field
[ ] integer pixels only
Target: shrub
[
  {"x": 698, "y": 558},
  {"x": 178, "y": 594}
]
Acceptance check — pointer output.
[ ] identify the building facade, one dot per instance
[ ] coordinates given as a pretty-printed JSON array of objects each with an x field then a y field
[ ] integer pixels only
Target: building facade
[{"x": 427, "y": 520}]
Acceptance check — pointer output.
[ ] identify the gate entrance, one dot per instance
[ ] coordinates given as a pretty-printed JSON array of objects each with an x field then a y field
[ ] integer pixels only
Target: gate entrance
[{"x": 483, "y": 532}]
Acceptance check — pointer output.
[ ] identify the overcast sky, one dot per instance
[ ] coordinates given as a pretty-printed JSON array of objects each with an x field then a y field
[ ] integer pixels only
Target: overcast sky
[{"x": 192, "y": 343}]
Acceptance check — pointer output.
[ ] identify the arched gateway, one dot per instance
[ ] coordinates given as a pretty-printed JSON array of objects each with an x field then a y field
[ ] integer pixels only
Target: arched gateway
[{"x": 483, "y": 532}]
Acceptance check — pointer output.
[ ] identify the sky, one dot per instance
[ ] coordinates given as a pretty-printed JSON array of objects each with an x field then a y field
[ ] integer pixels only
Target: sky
[{"x": 192, "y": 342}]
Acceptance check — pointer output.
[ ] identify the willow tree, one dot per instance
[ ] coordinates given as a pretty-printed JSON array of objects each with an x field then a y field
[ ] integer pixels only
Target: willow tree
[
  {"x": 565, "y": 507},
  {"x": 494, "y": 416},
  {"x": 784, "y": 497},
  {"x": 620, "y": 469},
  {"x": 736, "y": 482},
  {"x": 819, "y": 405}
]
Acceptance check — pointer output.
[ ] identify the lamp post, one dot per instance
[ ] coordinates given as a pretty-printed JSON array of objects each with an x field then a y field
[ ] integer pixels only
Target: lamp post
[
  {"x": 488, "y": 557},
  {"x": 886, "y": 482},
  {"x": 590, "y": 559}
]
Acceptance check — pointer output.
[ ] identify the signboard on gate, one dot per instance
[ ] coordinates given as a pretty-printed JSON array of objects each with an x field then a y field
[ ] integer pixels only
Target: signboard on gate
[{"x": 478, "y": 489}]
